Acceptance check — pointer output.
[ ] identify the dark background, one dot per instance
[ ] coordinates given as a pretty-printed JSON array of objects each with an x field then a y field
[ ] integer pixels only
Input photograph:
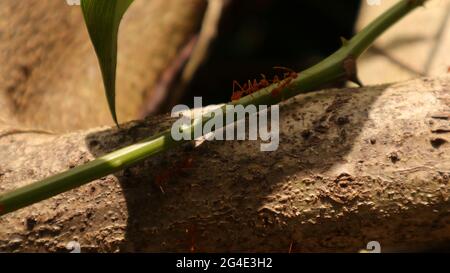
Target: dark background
[{"x": 255, "y": 35}]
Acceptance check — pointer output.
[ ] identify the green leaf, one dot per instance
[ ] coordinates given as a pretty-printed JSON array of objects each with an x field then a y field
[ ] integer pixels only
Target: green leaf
[{"x": 102, "y": 19}]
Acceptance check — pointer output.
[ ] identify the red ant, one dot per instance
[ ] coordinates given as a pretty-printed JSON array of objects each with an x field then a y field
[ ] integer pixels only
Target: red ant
[
  {"x": 288, "y": 77},
  {"x": 191, "y": 232},
  {"x": 249, "y": 88},
  {"x": 291, "y": 246},
  {"x": 174, "y": 170},
  {"x": 237, "y": 94}
]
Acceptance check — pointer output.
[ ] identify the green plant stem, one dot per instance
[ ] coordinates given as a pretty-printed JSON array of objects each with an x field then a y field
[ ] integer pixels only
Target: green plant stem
[{"x": 330, "y": 69}]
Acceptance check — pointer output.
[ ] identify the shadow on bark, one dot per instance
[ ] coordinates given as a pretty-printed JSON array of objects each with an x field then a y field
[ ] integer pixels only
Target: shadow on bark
[{"x": 220, "y": 195}]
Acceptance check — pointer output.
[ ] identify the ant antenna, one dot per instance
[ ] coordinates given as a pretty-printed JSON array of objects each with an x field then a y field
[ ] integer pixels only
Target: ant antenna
[{"x": 283, "y": 68}]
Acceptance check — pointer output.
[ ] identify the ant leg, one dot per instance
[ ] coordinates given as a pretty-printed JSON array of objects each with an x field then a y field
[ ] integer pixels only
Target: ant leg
[
  {"x": 263, "y": 82},
  {"x": 250, "y": 86},
  {"x": 245, "y": 88},
  {"x": 276, "y": 79},
  {"x": 237, "y": 94},
  {"x": 290, "y": 73},
  {"x": 284, "y": 68},
  {"x": 238, "y": 85},
  {"x": 256, "y": 85}
]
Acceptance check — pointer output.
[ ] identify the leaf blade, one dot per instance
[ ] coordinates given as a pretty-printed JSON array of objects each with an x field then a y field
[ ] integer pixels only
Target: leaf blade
[{"x": 102, "y": 18}]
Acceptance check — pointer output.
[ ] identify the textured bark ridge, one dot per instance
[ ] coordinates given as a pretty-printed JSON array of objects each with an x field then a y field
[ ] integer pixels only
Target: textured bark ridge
[{"x": 353, "y": 166}]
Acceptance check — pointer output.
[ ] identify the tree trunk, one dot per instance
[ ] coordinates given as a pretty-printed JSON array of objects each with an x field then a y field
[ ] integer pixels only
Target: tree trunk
[{"x": 353, "y": 166}]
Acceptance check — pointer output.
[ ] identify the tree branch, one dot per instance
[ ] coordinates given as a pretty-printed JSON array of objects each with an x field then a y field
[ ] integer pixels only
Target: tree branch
[{"x": 353, "y": 166}]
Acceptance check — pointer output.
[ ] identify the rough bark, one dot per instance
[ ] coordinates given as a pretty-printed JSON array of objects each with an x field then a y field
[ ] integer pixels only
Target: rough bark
[
  {"x": 49, "y": 74},
  {"x": 353, "y": 166}
]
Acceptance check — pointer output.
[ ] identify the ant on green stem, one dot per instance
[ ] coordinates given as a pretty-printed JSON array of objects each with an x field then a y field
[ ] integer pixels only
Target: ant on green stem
[{"x": 249, "y": 87}]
